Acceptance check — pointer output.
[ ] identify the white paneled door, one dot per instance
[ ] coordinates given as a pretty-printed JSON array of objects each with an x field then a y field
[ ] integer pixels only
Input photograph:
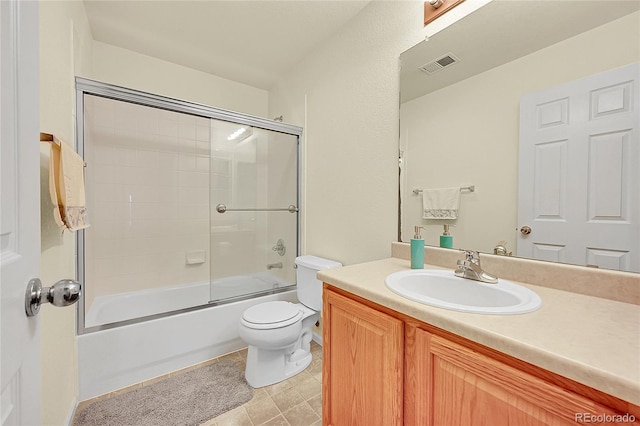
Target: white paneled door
[
  {"x": 20, "y": 212},
  {"x": 579, "y": 179}
]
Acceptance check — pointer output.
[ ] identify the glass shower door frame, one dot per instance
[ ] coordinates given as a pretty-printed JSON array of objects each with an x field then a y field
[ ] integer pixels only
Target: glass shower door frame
[{"x": 91, "y": 87}]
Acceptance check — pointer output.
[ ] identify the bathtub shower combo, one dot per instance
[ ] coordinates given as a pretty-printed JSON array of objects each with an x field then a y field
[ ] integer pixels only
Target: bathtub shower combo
[{"x": 194, "y": 215}]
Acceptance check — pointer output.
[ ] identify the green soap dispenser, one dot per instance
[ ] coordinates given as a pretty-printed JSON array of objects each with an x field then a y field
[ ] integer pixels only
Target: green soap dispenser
[
  {"x": 417, "y": 249},
  {"x": 446, "y": 240}
]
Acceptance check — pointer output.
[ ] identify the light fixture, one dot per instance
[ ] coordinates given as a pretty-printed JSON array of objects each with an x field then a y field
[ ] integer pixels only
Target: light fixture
[
  {"x": 436, "y": 8},
  {"x": 241, "y": 134}
]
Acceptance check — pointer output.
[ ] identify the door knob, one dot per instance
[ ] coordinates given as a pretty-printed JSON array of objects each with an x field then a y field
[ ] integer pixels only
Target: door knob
[
  {"x": 525, "y": 230},
  {"x": 62, "y": 293}
]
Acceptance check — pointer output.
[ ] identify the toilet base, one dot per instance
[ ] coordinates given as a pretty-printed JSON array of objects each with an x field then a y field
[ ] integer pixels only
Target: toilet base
[{"x": 275, "y": 365}]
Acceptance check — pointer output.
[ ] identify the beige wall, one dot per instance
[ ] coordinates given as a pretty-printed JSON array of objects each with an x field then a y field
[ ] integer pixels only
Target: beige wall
[
  {"x": 130, "y": 69},
  {"x": 346, "y": 96},
  {"x": 65, "y": 50},
  {"x": 440, "y": 152}
]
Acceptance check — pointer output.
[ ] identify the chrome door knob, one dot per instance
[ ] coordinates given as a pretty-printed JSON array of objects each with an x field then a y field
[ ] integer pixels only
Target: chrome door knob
[
  {"x": 525, "y": 230},
  {"x": 63, "y": 293}
]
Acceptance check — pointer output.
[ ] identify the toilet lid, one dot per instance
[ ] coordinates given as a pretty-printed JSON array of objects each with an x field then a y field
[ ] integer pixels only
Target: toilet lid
[{"x": 272, "y": 313}]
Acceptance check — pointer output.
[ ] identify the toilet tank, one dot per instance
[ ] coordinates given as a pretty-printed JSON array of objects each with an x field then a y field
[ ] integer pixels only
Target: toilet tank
[{"x": 309, "y": 287}]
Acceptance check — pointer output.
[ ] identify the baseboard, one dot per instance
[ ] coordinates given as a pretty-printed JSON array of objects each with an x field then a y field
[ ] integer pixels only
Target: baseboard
[
  {"x": 317, "y": 338},
  {"x": 72, "y": 413}
]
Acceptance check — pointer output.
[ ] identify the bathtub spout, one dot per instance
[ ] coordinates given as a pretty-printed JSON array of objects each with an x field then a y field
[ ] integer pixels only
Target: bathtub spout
[{"x": 274, "y": 265}]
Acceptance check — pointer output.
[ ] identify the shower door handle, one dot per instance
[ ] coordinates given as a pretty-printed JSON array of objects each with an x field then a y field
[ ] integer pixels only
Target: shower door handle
[
  {"x": 62, "y": 293},
  {"x": 221, "y": 208}
]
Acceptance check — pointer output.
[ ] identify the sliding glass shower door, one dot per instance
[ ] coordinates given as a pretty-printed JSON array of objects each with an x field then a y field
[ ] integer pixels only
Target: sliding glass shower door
[
  {"x": 254, "y": 210},
  {"x": 189, "y": 206}
]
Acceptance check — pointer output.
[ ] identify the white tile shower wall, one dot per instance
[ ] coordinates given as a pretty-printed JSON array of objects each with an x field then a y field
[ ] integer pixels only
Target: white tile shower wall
[{"x": 148, "y": 197}]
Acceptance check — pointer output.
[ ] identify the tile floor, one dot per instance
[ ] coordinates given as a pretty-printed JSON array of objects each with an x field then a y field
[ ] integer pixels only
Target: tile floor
[{"x": 293, "y": 402}]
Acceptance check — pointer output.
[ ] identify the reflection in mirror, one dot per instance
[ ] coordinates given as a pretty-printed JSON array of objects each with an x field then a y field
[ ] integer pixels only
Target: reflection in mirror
[{"x": 463, "y": 124}]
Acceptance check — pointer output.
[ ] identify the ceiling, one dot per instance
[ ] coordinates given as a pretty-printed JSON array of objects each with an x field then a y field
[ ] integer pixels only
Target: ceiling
[
  {"x": 252, "y": 42},
  {"x": 500, "y": 32}
]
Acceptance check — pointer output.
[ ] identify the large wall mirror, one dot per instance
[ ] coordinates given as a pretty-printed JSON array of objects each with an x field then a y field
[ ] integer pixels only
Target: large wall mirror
[{"x": 536, "y": 105}]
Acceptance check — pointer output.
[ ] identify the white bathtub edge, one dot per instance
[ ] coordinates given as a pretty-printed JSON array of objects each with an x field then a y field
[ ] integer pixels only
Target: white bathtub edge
[{"x": 112, "y": 359}]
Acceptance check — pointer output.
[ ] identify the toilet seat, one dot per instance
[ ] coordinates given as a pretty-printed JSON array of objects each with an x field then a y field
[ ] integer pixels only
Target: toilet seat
[{"x": 271, "y": 315}]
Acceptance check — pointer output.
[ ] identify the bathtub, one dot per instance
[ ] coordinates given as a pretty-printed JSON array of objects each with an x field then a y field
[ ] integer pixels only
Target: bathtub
[
  {"x": 118, "y": 357},
  {"x": 136, "y": 304}
]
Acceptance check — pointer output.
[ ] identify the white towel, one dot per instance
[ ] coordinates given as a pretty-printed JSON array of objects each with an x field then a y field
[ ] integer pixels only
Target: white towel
[{"x": 441, "y": 203}]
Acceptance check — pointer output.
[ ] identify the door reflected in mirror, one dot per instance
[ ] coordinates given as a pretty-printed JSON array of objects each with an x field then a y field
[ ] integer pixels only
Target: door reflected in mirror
[{"x": 463, "y": 125}]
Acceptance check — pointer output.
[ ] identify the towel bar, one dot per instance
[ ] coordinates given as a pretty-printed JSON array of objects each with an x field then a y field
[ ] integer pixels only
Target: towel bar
[
  {"x": 221, "y": 208},
  {"x": 48, "y": 137},
  {"x": 470, "y": 188}
]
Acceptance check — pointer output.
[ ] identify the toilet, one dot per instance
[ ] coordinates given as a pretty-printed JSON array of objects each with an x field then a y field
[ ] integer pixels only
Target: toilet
[{"x": 279, "y": 333}]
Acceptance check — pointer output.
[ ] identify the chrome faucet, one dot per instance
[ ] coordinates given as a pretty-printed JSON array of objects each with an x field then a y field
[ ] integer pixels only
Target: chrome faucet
[
  {"x": 470, "y": 268},
  {"x": 274, "y": 265}
]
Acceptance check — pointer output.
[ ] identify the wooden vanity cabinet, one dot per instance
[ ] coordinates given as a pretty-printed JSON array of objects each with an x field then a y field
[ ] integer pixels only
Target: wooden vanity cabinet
[
  {"x": 381, "y": 367},
  {"x": 362, "y": 365},
  {"x": 453, "y": 384}
]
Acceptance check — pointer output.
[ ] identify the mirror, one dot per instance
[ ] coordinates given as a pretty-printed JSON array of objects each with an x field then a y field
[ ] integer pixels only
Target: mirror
[{"x": 460, "y": 124}]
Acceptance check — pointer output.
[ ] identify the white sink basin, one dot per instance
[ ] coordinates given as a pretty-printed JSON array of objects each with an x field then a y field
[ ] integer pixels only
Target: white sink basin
[{"x": 443, "y": 289}]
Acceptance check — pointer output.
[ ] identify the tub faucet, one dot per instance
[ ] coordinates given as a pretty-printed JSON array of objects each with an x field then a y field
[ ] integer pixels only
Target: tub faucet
[
  {"x": 274, "y": 265},
  {"x": 470, "y": 268}
]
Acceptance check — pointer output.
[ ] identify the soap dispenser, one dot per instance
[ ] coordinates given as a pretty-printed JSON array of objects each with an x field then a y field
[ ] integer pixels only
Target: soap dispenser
[
  {"x": 446, "y": 240},
  {"x": 417, "y": 249}
]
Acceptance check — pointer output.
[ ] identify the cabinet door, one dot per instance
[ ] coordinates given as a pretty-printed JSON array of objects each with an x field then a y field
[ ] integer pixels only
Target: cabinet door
[
  {"x": 362, "y": 365},
  {"x": 458, "y": 386}
]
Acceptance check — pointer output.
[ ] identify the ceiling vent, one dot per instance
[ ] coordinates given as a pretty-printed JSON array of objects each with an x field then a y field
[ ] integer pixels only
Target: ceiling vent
[{"x": 440, "y": 63}]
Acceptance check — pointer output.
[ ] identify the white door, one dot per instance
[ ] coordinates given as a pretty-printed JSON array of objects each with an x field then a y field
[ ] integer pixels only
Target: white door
[
  {"x": 579, "y": 172},
  {"x": 20, "y": 211}
]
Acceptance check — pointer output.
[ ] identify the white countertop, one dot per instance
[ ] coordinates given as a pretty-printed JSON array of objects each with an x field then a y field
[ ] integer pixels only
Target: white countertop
[{"x": 591, "y": 340}]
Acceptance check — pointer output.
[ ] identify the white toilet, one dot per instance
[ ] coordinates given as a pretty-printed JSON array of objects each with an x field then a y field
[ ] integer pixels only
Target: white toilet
[{"x": 279, "y": 333}]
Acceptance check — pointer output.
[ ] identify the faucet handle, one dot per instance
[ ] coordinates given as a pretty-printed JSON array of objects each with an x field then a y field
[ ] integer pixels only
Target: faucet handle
[{"x": 471, "y": 255}]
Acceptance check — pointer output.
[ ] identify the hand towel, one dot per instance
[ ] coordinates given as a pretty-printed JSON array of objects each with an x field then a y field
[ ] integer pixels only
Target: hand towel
[
  {"x": 441, "y": 203},
  {"x": 66, "y": 185}
]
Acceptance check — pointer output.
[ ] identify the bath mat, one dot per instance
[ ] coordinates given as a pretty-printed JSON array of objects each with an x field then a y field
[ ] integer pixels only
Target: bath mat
[{"x": 189, "y": 398}]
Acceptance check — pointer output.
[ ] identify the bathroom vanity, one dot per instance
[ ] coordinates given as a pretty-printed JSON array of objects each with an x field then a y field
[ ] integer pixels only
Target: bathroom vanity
[{"x": 389, "y": 360}]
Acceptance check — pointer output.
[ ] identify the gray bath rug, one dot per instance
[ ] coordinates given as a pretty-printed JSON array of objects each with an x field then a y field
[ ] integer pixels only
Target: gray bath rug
[{"x": 189, "y": 398}]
